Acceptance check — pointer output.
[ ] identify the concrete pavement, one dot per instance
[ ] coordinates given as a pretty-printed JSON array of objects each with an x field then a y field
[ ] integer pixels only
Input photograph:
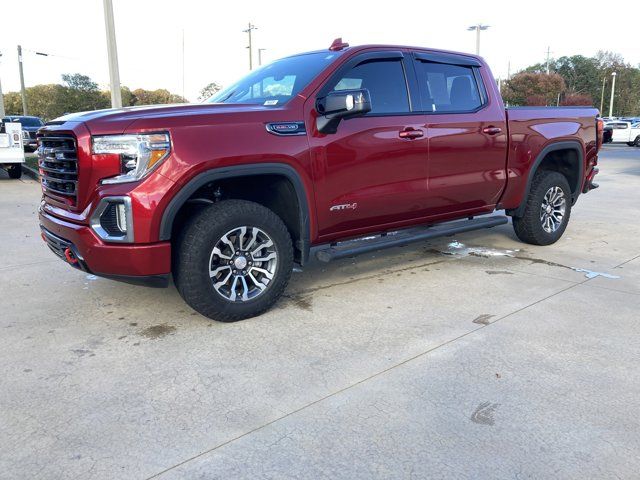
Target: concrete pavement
[{"x": 418, "y": 362}]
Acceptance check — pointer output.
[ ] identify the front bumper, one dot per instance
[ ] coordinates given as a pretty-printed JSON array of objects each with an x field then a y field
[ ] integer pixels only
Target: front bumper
[{"x": 148, "y": 264}]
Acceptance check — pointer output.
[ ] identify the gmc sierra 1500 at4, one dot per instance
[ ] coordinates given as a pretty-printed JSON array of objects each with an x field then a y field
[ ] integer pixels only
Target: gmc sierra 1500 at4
[{"x": 309, "y": 151}]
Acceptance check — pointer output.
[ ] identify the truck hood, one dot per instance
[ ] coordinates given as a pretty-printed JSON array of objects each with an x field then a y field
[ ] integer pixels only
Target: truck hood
[{"x": 116, "y": 120}]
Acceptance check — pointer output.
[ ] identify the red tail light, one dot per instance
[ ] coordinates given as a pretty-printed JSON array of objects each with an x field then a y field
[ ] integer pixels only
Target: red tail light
[{"x": 599, "y": 132}]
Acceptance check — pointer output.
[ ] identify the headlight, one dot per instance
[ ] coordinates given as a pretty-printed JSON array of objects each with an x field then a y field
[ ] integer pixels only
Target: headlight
[{"x": 139, "y": 154}]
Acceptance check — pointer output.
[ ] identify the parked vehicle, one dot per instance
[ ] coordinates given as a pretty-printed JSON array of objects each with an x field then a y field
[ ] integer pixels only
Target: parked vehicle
[
  {"x": 11, "y": 150},
  {"x": 624, "y": 132},
  {"x": 302, "y": 154},
  {"x": 30, "y": 125}
]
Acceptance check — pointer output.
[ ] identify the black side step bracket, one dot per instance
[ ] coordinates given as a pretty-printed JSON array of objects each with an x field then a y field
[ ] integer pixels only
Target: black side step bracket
[{"x": 405, "y": 237}]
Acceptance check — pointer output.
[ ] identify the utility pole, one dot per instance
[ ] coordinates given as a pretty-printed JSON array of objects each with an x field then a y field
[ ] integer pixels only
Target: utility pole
[
  {"x": 509, "y": 70},
  {"x": 613, "y": 90},
  {"x": 112, "y": 50},
  {"x": 548, "y": 55},
  {"x": 183, "y": 64},
  {"x": 2, "y": 112},
  {"x": 260, "y": 50},
  {"x": 477, "y": 29},
  {"x": 250, "y": 47},
  {"x": 23, "y": 93},
  {"x": 604, "y": 81}
]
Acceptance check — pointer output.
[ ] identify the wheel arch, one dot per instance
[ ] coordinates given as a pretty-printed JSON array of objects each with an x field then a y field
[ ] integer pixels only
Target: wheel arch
[
  {"x": 281, "y": 170},
  {"x": 566, "y": 157}
]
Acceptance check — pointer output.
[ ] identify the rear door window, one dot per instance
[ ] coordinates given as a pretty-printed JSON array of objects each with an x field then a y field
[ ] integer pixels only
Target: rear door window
[{"x": 448, "y": 88}]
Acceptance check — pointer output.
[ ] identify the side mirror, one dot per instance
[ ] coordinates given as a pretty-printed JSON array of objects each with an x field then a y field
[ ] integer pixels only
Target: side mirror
[{"x": 341, "y": 104}]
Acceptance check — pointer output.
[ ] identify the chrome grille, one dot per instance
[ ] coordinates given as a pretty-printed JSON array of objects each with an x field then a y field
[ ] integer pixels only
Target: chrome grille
[{"x": 58, "y": 163}]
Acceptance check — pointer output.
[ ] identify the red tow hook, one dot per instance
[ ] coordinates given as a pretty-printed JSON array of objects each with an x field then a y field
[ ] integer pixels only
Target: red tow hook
[{"x": 71, "y": 258}]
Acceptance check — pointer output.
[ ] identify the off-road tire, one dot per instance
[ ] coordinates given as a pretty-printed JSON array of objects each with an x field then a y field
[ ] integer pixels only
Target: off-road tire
[
  {"x": 14, "y": 171},
  {"x": 193, "y": 249},
  {"x": 529, "y": 226}
]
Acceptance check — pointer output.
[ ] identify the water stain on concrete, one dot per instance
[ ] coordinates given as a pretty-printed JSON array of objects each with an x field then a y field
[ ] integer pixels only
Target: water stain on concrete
[
  {"x": 81, "y": 352},
  {"x": 483, "y": 319},
  {"x": 299, "y": 301},
  {"x": 498, "y": 272},
  {"x": 484, "y": 413},
  {"x": 158, "y": 331}
]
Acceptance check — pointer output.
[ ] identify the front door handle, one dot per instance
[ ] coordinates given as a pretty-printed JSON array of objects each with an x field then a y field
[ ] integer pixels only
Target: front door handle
[
  {"x": 410, "y": 132},
  {"x": 491, "y": 130}
]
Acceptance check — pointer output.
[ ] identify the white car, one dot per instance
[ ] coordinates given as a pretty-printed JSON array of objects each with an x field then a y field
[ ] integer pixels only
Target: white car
[
  {"x": 625, "y": 132},
  {"x": 11, "y": 149}
]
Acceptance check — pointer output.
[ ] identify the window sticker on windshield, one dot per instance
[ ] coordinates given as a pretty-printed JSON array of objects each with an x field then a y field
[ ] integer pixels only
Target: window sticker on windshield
[{"x": 271, "y": 102}]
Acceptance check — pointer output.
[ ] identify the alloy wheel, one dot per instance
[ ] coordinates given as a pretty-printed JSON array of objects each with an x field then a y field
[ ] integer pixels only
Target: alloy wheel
[
  {"x": 553, "y": 208},
  {"x": 243, "y": 263}
]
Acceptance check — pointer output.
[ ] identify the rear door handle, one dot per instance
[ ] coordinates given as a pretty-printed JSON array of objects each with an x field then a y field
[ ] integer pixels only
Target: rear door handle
[
  {"x": 411, "y": 132},
  {"x": 491, "y": 130}
]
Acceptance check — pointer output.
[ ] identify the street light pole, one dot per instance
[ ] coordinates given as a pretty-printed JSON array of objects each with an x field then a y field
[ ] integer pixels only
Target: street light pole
[
  {"x": 250, "y": 47},
  {"x": 23, "y": 93},
  {"x": 477, "y": 28},
  {"x": 604, "y": 82},
  {"x": 2, "y": 112},
  {"x": 613, "y": 90},
  {"x": 112, "y": 51}
]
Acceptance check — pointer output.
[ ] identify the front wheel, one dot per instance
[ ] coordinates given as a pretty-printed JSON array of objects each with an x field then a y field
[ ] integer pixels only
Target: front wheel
[
  {"x": 14, "y": 171},
  {"x": 547, "y": 210},
  {"x": 637, "y": 141},
  {"x": 233, "y": 260}
]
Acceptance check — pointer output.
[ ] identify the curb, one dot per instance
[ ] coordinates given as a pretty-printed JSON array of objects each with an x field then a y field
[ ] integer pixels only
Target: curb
[{"x": 30, "y": 172}]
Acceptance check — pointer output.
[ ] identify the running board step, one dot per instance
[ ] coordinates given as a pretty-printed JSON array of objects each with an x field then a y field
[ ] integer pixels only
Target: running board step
[{"x": 405, "y": 237}]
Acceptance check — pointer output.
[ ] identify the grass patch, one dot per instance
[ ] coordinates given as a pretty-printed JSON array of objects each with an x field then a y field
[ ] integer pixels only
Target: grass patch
[{"x": 31, "y": 160}]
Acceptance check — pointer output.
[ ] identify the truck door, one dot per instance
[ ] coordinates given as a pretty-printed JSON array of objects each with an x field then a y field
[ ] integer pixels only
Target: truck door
[
  {"x": 372, "y": 171},
  {"x": 467, "y": 132},
  {"x": 620, "y": 132}
]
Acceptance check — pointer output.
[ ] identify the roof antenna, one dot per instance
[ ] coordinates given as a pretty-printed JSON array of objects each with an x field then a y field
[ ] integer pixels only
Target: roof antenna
[{"x": 338, "y": 44}]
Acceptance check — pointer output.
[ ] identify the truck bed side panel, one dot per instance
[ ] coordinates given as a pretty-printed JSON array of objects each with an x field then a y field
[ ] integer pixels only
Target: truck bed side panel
[{"x": 531, "y": 130}]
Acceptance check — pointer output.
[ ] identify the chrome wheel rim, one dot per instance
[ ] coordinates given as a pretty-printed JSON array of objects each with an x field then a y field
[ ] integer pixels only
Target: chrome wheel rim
[
  {"x": 242, "y": 264},
  {"x": 552, "y": 210}
]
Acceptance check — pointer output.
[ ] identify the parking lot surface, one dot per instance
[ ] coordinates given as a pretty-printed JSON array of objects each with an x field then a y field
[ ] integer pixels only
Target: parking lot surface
[{"x": 475, "y": 356}]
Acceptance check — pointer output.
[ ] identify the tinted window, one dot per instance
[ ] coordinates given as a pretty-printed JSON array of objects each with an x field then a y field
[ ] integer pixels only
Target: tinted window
[
  {"x": 385, "y": 81},
  {"x": 25, "y": 121},
  {"x": 277, "y": 82},
  {"x": 447, "y": 88}
]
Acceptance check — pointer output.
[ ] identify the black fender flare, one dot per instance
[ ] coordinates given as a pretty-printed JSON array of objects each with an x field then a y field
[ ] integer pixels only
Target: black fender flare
[
  {"x": 564, "y": 145},
  {"x": 245, "y": 170}
]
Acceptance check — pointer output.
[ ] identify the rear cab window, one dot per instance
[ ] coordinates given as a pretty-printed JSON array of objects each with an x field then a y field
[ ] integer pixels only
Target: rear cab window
[{"x": 449, "y": 88}]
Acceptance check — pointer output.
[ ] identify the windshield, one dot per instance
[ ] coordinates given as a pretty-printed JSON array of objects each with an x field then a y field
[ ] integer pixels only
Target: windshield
[
  {"x": 276, "y": 83},
  {"x": 24, "y": 121}
]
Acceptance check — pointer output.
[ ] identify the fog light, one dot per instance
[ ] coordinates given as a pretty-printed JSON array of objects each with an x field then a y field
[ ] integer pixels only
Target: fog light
[
  {"x": 112, "y": 220},
  {"x": 121, "y": 217}
]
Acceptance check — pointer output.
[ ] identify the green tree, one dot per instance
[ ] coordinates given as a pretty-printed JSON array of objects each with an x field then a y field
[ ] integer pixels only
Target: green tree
[
  {"x": 526, "y": 88},
  {"x": 156, "y": 97}
]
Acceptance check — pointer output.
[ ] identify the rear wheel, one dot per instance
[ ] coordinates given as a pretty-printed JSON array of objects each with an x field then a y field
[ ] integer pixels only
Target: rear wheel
[
  {"x": 14, "y": 171},
  {"x": 233, "y": 261},
  {"x": 547, "y": 210}
]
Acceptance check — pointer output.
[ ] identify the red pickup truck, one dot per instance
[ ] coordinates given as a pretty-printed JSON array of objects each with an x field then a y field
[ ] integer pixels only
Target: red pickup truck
[{"x": 306, "y": 154}]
